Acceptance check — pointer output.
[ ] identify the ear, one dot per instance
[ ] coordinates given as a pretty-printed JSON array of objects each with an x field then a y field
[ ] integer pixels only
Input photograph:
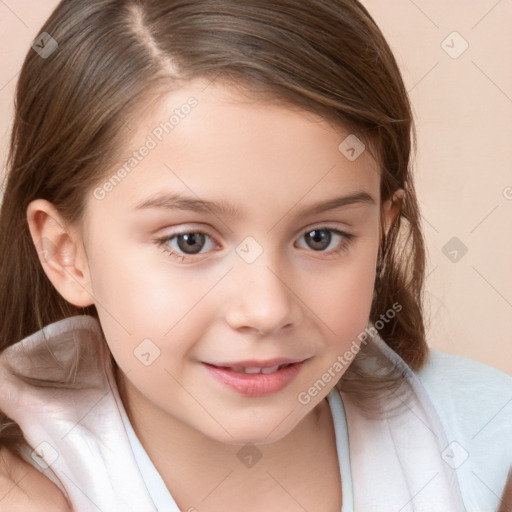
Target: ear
[
  {"x": 60, "y": 252},
  {"x": 390, "y": 210}
]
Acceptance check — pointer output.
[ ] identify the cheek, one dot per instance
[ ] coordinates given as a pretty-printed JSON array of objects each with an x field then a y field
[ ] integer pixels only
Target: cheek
[
  {"x": 140, "y": 297},
  {"x": 344, "y": 300},
  {"x": 134, "y": 284}
]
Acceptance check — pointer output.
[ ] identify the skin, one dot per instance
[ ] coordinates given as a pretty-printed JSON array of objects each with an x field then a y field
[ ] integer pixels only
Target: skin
[
  {"x": 506, "y": 499},
  {"x": 25, "y": 489},
  {"x": 272, "y": 163}
]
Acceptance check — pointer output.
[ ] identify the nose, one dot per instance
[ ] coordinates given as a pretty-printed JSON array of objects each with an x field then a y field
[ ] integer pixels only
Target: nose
[{"x": 261, "y": 298}]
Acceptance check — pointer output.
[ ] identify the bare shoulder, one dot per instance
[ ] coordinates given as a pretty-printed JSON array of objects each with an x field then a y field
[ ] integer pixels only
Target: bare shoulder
[{"x": 24, "y": 489}]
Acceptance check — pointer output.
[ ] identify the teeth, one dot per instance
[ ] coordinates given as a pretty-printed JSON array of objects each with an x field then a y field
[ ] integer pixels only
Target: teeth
[
  {"x": 272, "y": 369},
  {"x": 256, "y": 369}
]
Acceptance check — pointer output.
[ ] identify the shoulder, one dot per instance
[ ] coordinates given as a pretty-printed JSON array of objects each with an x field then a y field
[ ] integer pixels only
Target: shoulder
[
  {"x": 470, "y": 384},
  {"x": 471, "y": 397},
  {"x": 474, "y": 403}
]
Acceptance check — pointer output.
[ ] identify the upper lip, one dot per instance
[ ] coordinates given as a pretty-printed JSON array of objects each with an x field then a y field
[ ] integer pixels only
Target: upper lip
[{"x": 253, "y": 363}]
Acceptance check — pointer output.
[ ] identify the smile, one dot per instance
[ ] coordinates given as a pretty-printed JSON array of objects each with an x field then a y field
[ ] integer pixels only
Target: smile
[{"x": 255, "y": 380}]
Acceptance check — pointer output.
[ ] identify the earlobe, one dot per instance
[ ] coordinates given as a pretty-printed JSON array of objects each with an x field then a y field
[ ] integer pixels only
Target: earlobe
[{"x": 60, "y": 253}]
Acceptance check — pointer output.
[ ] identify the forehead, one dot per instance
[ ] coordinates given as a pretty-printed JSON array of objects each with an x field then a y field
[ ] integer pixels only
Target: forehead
[{"x": 214, "y": 142}]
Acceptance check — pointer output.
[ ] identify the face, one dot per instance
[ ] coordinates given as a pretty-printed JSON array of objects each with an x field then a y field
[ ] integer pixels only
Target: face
[{"x": 260, "y": 275}]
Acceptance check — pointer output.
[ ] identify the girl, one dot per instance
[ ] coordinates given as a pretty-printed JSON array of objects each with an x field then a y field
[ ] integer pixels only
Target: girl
[{"x": 212, "y": 273}]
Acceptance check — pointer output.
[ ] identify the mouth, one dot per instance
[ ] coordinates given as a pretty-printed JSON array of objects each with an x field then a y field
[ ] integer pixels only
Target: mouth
[{"x": 253, "y": 378}]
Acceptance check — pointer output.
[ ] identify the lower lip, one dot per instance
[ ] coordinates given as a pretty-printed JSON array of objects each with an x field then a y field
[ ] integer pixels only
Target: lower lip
[{"x": 255, "y": 384}]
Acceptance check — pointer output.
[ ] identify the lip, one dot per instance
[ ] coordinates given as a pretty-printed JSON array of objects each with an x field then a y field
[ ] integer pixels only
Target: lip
[{"x": 256, "y": 384}]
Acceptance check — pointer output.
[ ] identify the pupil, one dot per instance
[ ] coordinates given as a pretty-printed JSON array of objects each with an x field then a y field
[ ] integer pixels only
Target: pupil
[
  {"x": 319, "y": 239},
  {"x": 191, "y": 241}
]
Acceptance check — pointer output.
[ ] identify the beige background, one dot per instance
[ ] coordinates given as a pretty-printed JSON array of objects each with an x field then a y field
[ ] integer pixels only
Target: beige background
[{"x": 463, "y": 107}]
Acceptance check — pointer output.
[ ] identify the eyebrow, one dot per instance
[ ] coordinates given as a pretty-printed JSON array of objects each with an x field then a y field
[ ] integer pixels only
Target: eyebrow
[{"x": 171, "y": 201}]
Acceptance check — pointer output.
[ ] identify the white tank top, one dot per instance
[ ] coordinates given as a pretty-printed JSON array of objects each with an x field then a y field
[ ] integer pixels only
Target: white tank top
[{"x": 449, "y": 448}]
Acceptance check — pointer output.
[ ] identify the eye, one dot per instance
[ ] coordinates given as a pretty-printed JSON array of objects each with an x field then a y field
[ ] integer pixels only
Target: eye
[
  {"x": 319, "y": 238},
  {"x": 184, "y": 246},
  {"x": 187, "y": 245}
]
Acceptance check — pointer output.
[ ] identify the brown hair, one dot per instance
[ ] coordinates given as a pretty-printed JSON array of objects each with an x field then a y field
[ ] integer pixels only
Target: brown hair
[{"x": 113, "y": 56}]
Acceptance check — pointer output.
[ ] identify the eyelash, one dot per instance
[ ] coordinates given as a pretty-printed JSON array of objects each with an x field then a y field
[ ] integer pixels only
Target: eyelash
[{"x": 345, "y": 244}]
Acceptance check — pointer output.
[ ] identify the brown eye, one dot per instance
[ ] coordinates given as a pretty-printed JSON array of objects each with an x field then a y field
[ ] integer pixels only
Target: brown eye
[
  {"x": 190, "y": 243},
  {"x": 185, "y": 246},
  {"x": 327, "y": 241},
  {"x": 318, "y": 239}
]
